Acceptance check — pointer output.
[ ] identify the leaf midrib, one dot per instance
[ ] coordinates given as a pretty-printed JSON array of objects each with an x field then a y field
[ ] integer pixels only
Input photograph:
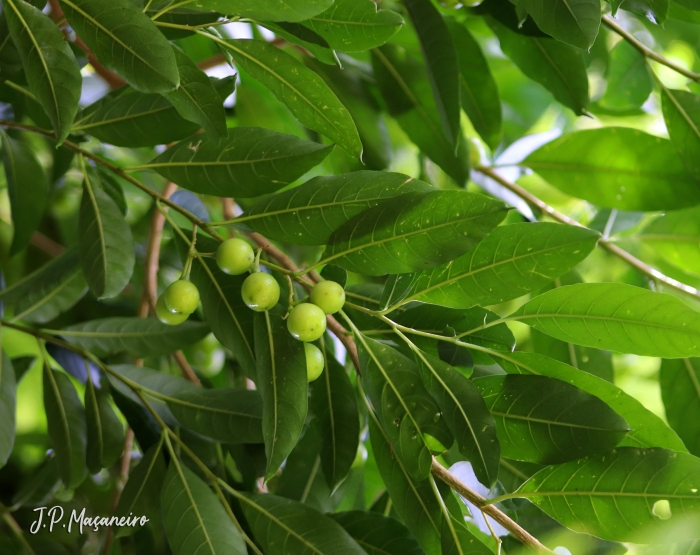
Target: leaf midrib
[
  {"x": 46, "y": 298},
  {"x": 62, "y": 410},
  {"x": 126, "y": 117},
  {"x": 551, "y": 422}
]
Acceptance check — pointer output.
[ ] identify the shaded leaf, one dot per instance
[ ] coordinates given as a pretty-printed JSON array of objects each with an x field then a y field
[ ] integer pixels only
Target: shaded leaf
[
  {"x": 40, "y": 487},
  {"x": 680, "y": 390},
  {"x": 629, "y": 82},
  {"x": 8, "y": 401},
  {"x": 575, "y": 22},
  {"x": 377, "y": 534},
  {"x": 105, "y": 433},
  {"x": 681, "y": 111},
  {"x": 271, "y": 10},
  {"x": 74, "y": 364},
  {"x": 192, "y": 203},
  {"x": 676, "y": 237}
]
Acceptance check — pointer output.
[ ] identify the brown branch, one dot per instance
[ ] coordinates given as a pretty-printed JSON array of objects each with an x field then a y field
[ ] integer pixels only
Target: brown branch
[
  {"x": 47, "y": 245},
  {"x": 491, "y": 510},
  {"x": 214, "y": 61}
]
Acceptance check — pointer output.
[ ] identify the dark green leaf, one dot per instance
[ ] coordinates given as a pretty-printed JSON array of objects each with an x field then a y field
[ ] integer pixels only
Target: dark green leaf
[
  {"x": 419, "y": 230},
  {"x": 676, "y": 237},
  {"x": 377, "y": 534},
  {"x": 251, "y": 162},
  {"x": 27, "y": 187},
  {"x": 8, "y": 401},
  {"x": 126, "y": 40},
  {"x": 680, "y": 390},
  {"x": 645, "y": 172},
  {"x": 105, "y": 433},
  {"x": 575, "y": 22},
  {"x": 270, "y": 10},
  {"x": 42, "y": 485},
  {"x": 681, "y": 111},
  {"x": 49, "y": 64},
  {"x": 629, "y": 82}
]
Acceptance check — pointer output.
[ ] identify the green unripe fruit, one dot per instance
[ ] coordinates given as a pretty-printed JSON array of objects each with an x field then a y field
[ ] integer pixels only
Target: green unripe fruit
[
  {"x": 329, "y": 296},
  {"x": 181, "y": 297},
  {"x": 306, "y": 322},
  {"x": 235, "y": 257},
  {"x": 260, "y": 291},
  {"x": 314, "y": 361},
  {"x": 167, "y": 317}
]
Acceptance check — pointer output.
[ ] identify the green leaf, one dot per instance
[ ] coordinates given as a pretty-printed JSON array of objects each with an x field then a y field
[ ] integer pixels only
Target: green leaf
[
  {"x": 251, "y": 162},
  {"x": 140, "y": 337},
  {"x": 629, "y": 82},
  {"x": 676, "y": 237},
  {"x": 655, "y": 11},
  {"x": 681, "y": 111},
  {"x": 617, "y": 317},
  {"x": 405, "y": 87},
  {"x": 478, "y": 90},
  {"x": 613, "y": 495},
  {"x": 193, "y": 517},
  {"x": 548, "y": 421},
  {"x": 40, "y": 487},
  {"x": 575, "y": 22},
  {"x": 67, "y": 427},
  {"x": 303, "y": 91},
  {"x": 49, "y": 64},
  {"x": 8, "y": 401},
  {"x": 125, "y": 40},
  {"x": 196, "y": 99},
  {"x": 282, "y": 382},
  {"x": 559, "y": 68},
  {"x": 355, "y": 25},
  {"x": 644, "y": 174},
  {"x": 105, "y": 433},
  {"x": 266, "y": 10},
  {"x": 280, "y": 523},
  {"x": 27, "y": 187},
  {"x": 458, "y": 540},
  {"x": 441, "y": 62},
  {"x": 417, "y": 231},
  {"x": 680, "y": 390},
  {"x": 310, "y": 213},
  {"x": 334, "y": 404},
  {"x": 106, "y": 244},
  {"x": 378, "y": 534},
  {"x": 512, "y": 261}
]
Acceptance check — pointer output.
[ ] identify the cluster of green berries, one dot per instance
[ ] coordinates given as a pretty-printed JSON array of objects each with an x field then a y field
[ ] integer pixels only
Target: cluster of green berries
[{"x": 179, "y": 300}]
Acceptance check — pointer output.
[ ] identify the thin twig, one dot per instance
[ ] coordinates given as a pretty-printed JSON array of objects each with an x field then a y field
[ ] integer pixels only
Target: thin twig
[{"x": 47, "y": 245}]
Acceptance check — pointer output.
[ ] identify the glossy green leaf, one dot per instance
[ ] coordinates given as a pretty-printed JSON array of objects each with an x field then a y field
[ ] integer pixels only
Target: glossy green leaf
[
  {"x": 617, "y": 167},
  {"x": 680, "y": 390},
  {"x": 681, "y": 111},
  {"x": 334, "y": 404},
  {"x": 405, "y": 88},
  {"x": 676, "y": 237},
  {"x": 126, "y": 40},
  {"x": 251, "y": 162},
  {"x": 441, "y": 62},
  {"x": 310, "y": 213},
  {"x": 8, "y": 402},
  {"x": 629, "y": 82},
  {"x": 575, "y": 22},
  {"x": 49, "y": 64},
  {"x": 196, "y": 98},
  {"x": 67, "y": 427},
  {"x": 140, "y": 337},
  {"x": 478, "y": 90},
  {"x": 617, "y": 317},
  {"x": 303, "y": 91},
  {"x": 106, "y": 244},
  {"x": 282, "y": 382},
  {"x": 655, "y": 11},
  {"x": 647, "y": 429},
  {"x": 266, "y": 10},
  {"x": 194, "y": 519},
  {"x": 378, "y": 534},
  {"x": 613, "y": 495},
  {"x": 27, "y": 187},
  {"x": 105, "y": 433},
  {"x": 559, "y": 68},
  {"x": 417, "y": 231},
  {"x": 355, "y": 25},
  {"x": 548, "y": 421},
  {"x": 512, "y": 261}
]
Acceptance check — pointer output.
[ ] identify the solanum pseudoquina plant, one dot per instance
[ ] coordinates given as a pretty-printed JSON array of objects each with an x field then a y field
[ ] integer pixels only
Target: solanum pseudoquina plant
[{"x": 350, "y": 277}]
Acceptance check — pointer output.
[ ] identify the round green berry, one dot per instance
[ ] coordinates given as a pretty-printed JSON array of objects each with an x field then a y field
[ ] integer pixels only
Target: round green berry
[
  {"x": 167, "y": 317},
  {"x": 314, "y": 361},
  {"x": 235, "y": 256},
  {"x": 329, "y": 296},
  {"x": 306, "y": 322},
  {"x": 260, "y": 291},
  {"x": 181, "y": 297}
]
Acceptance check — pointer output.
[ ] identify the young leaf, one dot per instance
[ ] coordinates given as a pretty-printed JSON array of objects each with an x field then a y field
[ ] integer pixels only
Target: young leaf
[
  {"x": 105, "y": 433},
  {"x": 303, "y": 91},
  {"x": 378, "y": 534},
  {"x": 8, "y": 401},
  {"x": 681, "y": 111},
  {"x": 617, "y": 317},
  {"x": 106, "y": 244},
  {"x": 575, "y": 22},
  {"x": 355, "y": 25},
  {"x": 334, "y": 404},
  {"x": 126, "y": 40},
  {"x": 676, "y": 237},
  {"x": 27, "y": 187},
  {"x": 644, "y": 174},
  {"x": 283, "y": 384},
  {"x": 193, "y": 517},
  {"x": 196, "y": 99},
  {"x": 249, "y": 163},
  {"x": 67, "y": 427},
  {"x": 266, "y": 10},
  {"x": 680, "y": 390},
  {"x": 140, "y": 337},
  {"x": 49, "y": 64},
  {"x": 421, "y": 230},
  {"x": 613, "y": 496}
]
